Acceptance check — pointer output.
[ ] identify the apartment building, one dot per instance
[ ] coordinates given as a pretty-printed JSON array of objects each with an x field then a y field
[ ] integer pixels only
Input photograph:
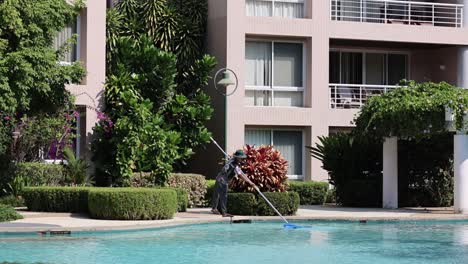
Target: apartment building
[
  {"x": 90, "y": 50},
  {"x": 305, "y": 67}
]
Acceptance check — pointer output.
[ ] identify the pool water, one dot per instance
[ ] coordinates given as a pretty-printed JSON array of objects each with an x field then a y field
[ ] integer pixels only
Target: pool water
[{"x": 258, "y": 242}]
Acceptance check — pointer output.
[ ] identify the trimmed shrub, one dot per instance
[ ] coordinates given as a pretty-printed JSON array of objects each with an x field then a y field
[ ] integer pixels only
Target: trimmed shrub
[
  {"x": 56, "y": 199},
  {"x": 143, "y": 179},
  {"x": 331, "y": 196},
  {"x": 8, "y": 213},
  {"x": 40, "y": 174},
  {"x": 194, "y": 184},
  {"x": 287, "y": 203},
  {"x": 309, "y": 192},
  {"x": 182, "y": 199},
  {"x": 132, "y": 203},
  {"x": 12, "y": 201},
  {"x": 210, "y": 185},
  {"x": 242, "y": 203}
]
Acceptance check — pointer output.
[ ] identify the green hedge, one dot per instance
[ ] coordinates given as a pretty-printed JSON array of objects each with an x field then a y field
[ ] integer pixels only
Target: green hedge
[
  {"x": 210, "y": 184},
  {"x": 12, "y": 201},
  {"x": 309, "y": 192},
  {"x": 194, "y": 184},
  {"x": 182, "y": 199},
  {"x": 41, "y": 174},
  {"x": 132, "y": 203},
  {"x": 56, "y": 199},
  {"x": 242, "y": 203},
  {"x": 286, "y": 203},
  {"x": 8, "y": 213}
]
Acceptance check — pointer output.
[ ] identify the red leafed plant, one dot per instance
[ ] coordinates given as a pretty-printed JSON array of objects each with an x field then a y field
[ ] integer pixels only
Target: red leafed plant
[{"x": 265, "y": 167}]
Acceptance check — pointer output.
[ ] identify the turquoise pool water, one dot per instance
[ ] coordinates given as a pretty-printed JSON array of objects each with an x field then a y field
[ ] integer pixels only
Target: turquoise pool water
[{"x": 259, "y": 242}]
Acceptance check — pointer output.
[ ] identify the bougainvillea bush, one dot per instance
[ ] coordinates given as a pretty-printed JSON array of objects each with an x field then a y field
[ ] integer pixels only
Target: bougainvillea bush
[{"x": 265, "y": 167}]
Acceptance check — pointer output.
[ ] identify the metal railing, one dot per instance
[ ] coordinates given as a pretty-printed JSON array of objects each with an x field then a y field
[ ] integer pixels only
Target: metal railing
[
  {"x": 345, "y": 96},
  {"x": 398, "y": 12}
]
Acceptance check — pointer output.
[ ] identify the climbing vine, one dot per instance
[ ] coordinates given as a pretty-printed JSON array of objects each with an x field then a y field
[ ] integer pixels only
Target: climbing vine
[{"x": 416, "y": 110}]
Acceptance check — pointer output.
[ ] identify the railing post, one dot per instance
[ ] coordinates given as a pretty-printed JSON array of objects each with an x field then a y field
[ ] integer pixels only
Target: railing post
[
  {"x": 409, "y": 13},
  {"x": 360, "y": 96},
  {"x": 433, "y": 15},
  {"x": 385, "y": 12},
  {"x": 360, "y": 10}
]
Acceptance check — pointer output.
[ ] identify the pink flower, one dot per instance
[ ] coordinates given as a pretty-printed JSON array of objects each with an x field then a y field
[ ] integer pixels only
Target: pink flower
[{"x": 6, "y": 118}]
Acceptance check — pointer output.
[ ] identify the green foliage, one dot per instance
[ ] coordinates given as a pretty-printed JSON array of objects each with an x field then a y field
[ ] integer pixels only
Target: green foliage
[
  {"x": 155, "y": 66},
  {"x": 425, "y": 171},
  {"x": 132, "y": 203},
  {"x": 8, "y": 213},
  {"x": 354, "y": 166},
  {"x": 12, "y": 200},
  {"x": 265, "y": 167},
  {"x": 286, "y": 203},
  {"x": 309, "y": 192},
  {"x": 40, "y": 174},
  {"x": 16, "y": 186},
  {"x": 210, "y": 185},
  {"x": 194, "y": 184},
  {"x": 182, "y": 199},
  {"x": 242, "y": 204},
  {"x": 56, "y": 199},
  {"x": 331, "y": 196},
  {"x": 414, "y": 111},
  {"x": 75, "y": 169},
  {"x": 31, "y": 80},
  {"x": 42, "y": 136}
]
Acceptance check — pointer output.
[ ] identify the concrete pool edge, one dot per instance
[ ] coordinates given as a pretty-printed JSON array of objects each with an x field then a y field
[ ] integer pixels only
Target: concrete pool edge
[{"x": 39, "y": 222}]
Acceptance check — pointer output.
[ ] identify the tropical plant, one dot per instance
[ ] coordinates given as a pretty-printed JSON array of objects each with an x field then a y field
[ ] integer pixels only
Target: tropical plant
[
  {"x": 354, "y": 166},
  {"x": 75, "y": 168},
  {"x": 265, "y": 167},
  {"x": 16, "y": 186}
]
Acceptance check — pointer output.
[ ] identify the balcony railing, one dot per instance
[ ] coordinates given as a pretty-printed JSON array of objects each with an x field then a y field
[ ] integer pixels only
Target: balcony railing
[
  {"x": 398, "y": 12},
  {"x": 345, "y": 96}
]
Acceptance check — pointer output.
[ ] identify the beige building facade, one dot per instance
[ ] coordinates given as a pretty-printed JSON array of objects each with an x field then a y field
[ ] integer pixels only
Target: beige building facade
[
  {"x": 90, "y": 50},
  {"x": 305, "y": 67}
]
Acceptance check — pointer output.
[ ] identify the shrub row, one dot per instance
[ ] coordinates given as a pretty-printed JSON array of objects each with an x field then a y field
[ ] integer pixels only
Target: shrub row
[
  {"x": 132, "y": 203},
  {"x": 56, "y": 199},
  {"x": 194, "y": 184},
  {"x": 8, "y": 213},
  {"x": 12, "y": 200},
  {"x": 108, "y": 203},
  {"x": 40, "y": 174},
  {"x": 310, "y": 192},
  {"x": 286, "y": 203}
]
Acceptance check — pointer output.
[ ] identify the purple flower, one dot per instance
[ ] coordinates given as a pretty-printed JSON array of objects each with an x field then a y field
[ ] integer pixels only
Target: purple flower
[{"x": 6, "y": 118}]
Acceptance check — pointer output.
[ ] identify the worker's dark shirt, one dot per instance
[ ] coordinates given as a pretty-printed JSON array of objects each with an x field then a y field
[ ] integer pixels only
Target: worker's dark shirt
[{"x": 228, "y": 171}]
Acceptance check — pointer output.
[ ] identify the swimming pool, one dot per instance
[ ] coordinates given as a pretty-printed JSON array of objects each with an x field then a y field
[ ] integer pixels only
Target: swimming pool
[{"x": 258, "y": 242}]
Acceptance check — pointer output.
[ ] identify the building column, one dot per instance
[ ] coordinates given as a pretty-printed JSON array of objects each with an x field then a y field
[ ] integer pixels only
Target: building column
[
  {"x": 460, "y": 155},
  {"x": 390, "y": 173}
]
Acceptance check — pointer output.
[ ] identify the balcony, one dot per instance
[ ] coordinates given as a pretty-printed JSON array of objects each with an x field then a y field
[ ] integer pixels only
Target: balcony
[
  {"x": 398, "y": 12},
  {"x": 353, "y": 96}
]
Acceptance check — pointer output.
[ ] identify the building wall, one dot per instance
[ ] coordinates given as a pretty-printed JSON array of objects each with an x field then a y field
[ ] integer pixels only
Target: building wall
[
  {"x": 92, "y": 40},
  {"x": 433, "y": 56}
]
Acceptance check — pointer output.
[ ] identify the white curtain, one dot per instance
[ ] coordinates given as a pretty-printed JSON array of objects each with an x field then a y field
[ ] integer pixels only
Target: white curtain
[
  {"x": 258, "y": 63},
  {"x": 257, "y": 98},
  {"x": 258, "y": 8},
  {"x": 289, "y": 9},
  {"x": 62, "y": 38},
  {"x": 289, "y": 143},
  {"x": 288, "y": 98},
  {"x": 257, "y": 137}
]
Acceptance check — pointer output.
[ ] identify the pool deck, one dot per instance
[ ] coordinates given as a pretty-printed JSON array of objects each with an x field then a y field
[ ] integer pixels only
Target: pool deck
[{"x": 39, "y": 222}]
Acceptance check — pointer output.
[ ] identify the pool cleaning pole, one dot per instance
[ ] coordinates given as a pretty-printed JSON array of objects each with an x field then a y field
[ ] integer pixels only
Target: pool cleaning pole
[{"x": 241, "y": 173}]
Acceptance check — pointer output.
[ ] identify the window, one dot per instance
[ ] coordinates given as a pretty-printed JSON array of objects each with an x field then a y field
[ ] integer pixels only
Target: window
[
  {"x": 288, "y": 142},
  {"x": 63, "y": 37},
  {"x": 280, "y": 8},
  {"x": 274, "y": 74},
  {"x": 367, "y": 68}
]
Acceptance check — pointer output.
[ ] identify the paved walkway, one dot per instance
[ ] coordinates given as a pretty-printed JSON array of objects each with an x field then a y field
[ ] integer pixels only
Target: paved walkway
[{"x": 36, "y": 221}]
